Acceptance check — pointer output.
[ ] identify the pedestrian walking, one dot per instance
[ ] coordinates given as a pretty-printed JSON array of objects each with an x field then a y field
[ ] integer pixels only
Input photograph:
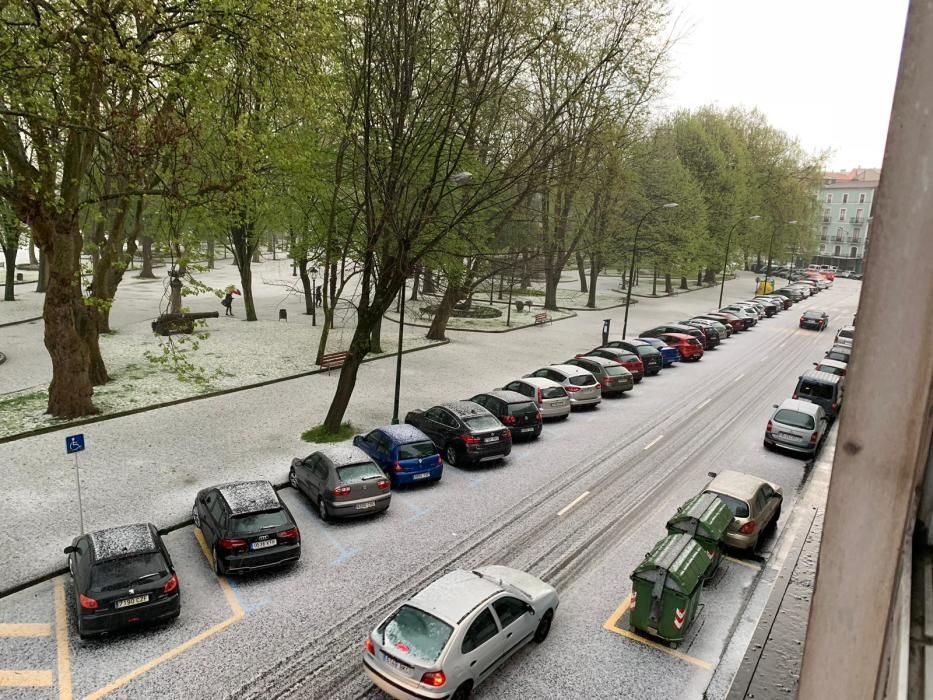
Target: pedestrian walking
[
  {"x": 228, "y": 299},
  {"x": 317, "y": 296}
]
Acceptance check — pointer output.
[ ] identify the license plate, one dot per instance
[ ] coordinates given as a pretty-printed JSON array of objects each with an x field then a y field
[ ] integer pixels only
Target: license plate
[
  {"x": 422, "y": 475},
  {"x": 365, "y": 506},
  {"x": 494, "y": 438},
  {"x": 262, "y": 544},
  {"x": 528, "y": 430},
  {"x": 397, "y": 665},
  {"x": 788, "y": 436},
  {"x": 132, "y": 601}
]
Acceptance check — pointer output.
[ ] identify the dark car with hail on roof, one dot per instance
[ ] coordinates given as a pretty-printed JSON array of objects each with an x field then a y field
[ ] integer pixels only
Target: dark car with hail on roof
[
  {"x": 122, "y": 576},
  {"x": 840, "y": 353},
  {"x": 453, "y": 634},
  {"x": 658, "y": 331},
  {"x": 712, "y": 335},
  {"x": 649, "y": 355},
  {"x": 342, "y": 482},
  {"x": 669, "y": 354},
  {"x": 246, "y": 526},
  {"x": 464, "y": 432},
  {"x": 549, "y": 396},
  {"x": 628, "y": 359},
  {"x": 823, "y": 388},
  {"x": 814, "y": 319},
  {"x": 738, "y": 323},
  {"x": 742, "y": 312},
  {"x": 582, "y": 387},
  {"x": 792, "y": 293},
  {"x": 721, "y": 327},
  {"x": 614, "y": 379},
  {"x": 403, "y": 452},
  {"x": 516, "y": 411},
  {"x": 689, "y": 347}
]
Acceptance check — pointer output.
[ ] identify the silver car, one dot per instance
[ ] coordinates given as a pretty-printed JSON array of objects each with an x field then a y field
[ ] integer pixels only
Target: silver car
[
  {"x": 845, "y": 336},
  {"x": 552, "y": 399},
  {"x": 796, "y": 425},
  {"x": 755, "y": 506},
  {"x": 584, "y": 389},
  {"x": 456, "y": 632}
]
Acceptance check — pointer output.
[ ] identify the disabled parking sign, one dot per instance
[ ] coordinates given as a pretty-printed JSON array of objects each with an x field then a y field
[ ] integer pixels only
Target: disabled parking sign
[{"x": 74, "y": 444}]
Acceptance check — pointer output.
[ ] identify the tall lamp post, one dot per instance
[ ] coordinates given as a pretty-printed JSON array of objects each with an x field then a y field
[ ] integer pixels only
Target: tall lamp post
[
  {"x": 631, "y": 271},
  {"x": 770, "y": 246},
  {"x": 398, "y": 358},
  {"x": 725, "y": 263},
  {"x": 313, "y": 296}
]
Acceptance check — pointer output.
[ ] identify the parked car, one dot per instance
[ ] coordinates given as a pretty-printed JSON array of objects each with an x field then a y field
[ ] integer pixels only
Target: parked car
[
  {"x": 754, "y": 307},
  {"x": 457, "y": 631},
  {"x": 755, "y": 505},
  {"x": 845, "y": 336},
  {"x": 649, "y": 355},
  {"x": 814, "y": 318},
  {"x": 246, "y": 526},
  {"x": 805, "y": 289},
  {"x": 721, "y": 327},
  {"x": 689, "y": 347},
  {"x": 551, "y": 398},
  {"x": 713, "y": 335},
  {"x": 123, "y": 576},
  {"x": 669, "y": 353},
  {"x": 628, "y": 359},
  {"x": 697, "y": 333},
  {"x": 516, "y": 411},
  {"x": 832, "y": 367},
  {"x": 582, "y": 387},
  {"x": 782, "y": 302},
  {"x": 403, "y": 452},
  {"x": 792, "y": 293},
  {"x": 342, "y": 482},
  {"x": 738, "y": 323},
  {"x": 823, "y": 388},
  {"x": 742, "y": 312},
  {"x": 464, "y": 432},
  {"x": 796, "y": 425},
  {"x": 614, "y": 378},
  {"x": 840, "y": 353},
  {"x": 771, "y": 307}
]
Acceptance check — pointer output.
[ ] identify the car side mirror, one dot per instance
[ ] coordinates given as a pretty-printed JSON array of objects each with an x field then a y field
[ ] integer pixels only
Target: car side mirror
[
  {"x": 711, "y": 474},
  {"x": 774, "y": 405},
  {"x": 70, "y": 548},
  {"x": 531, "y": 610}
]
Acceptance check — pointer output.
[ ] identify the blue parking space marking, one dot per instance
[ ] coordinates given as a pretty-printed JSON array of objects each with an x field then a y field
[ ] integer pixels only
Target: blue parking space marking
[
  {"x": 345, "y": 553},
  {"x": 247, "y": 606}
]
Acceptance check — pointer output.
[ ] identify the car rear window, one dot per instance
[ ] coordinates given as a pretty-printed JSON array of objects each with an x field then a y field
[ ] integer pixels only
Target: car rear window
[
  {"x": 416, "y": 633},
  {"x": 846, "y": 334},
  {"x": 616, "y": 371},
  {"x": 795, "y": 419},
  {"x": 817, "y": 389},
  {"x": 524, "y": 408},
  {"x": 415, "y": 450},
  {"x": 830, "y": 369},
  {"x": 482, "y": 422},
  {"x": 645, "y": 351},
  {"x": 812, "y": 314},
  {"x": 629, "y": 357},
  {"x": 738, "y": 507},
  {"x": 254, "y": 522},
  {"x": 116, "y": 573},
  {"x": 358, "y": 472},
  {"x": 553, "y": 392},
  {"x": 582, "y": 379}
]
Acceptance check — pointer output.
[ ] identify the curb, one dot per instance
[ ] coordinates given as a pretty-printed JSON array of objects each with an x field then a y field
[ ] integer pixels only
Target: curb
[
  {"x": 16, "y": 323},
  {"x": 2, "y": 358},
  {"x": 483, "y": 330},
  {"x": 198, "y": 397}
]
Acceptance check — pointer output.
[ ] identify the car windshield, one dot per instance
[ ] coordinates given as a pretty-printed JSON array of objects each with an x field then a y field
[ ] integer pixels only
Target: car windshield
[
  {"x": 816, "y": 389},
  {"x": 553, "y": 392},
  {"x": 738, "y": 507},
  {"x": 416, "y": 450},
  {"x": 526, "y": 408},
  {"x": 254, "y": 522},
  {"x": 116, "y": 573},
  {"x": 582, "y": 379},
  {"x": 416, "y": 633},
  {"x": 812, "y": 314},
  {"x": 482, "y": 422},
  {"x": 358, "y": 472},
  {"x": 846, "y": 334},
  {"x": 616, "y": 371},
  {"x": 795, "y": 419}
]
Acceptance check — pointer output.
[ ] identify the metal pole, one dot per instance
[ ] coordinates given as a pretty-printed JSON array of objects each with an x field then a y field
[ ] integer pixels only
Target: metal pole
[
  {"x": 80, "y": 504},
  {"x": 313, "y": 300},
  {"x": 770, "y": 246},
  {"x": 631, "y": 272},
  {"x": 725, "y": 264},
  {"x": 398, "y": 359},
  {"x": 508, "y": 314}
]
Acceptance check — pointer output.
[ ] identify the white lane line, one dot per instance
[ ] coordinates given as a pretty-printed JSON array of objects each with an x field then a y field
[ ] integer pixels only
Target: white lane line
[
  {"x": 739, "y": 377},
  {"x": 781, "y": 345},
  {"x": 703, "y": 404},
  {"x": 654, "y": 442},
  {"x": 763, "y": 358},
  {"x": 574, "y": 502}
]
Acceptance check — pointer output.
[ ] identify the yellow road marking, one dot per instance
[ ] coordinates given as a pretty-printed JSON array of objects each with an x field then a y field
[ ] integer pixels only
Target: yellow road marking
[
  {"x": 25, "y": 629},
  {"x": 610, "y": 626},
  {"x": 26, "y": 679},
  {"x": 61, "y": 643},
  {"x": 748, "y": 564},
  {"x": 238, "y": 615}
]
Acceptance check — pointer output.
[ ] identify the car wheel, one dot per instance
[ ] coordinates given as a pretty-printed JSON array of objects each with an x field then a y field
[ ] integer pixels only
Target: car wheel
[
  {"x": 638, "y": 380},
  {"x": 463, "y": 692},
  {"x": 322, "y": 510},
  {"x": 195, "y": 518},
  {"x": 544, "y": 627},
  {"x": 565, "y": 416},
  {"x": 82, "y": 635},
  {"x": 218, "y": 565},
  {"x": 292, "y": 478},
  {"x": 451, "y": 454},
  {"x": 774, "y": 519}
]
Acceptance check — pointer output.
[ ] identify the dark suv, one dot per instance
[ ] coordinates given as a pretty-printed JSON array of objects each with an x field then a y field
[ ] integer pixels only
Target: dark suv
[
  {"x": 464, "y": 432},
  {"x": 515, "y": 410},
  {"x": 246, "y": 526},
  {"x": 697, "y": 333},
  {"x": 649, "y": 355}
]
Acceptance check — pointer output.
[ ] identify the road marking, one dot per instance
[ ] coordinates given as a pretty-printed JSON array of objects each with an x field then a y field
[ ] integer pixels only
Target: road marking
[
  {"x": 229, "y": 594},
  {"x": 61, "y": 643},
  {"x": 654, "y": 442},
  {"x": 703, "y": 404},
  {"x": 610, "y": 626},
  {"x": 25, "y": 629},
  {"x": 572, "y": 503},
  {"x": 763, "y": 358},
  {"x": 739, "y": 377},
  {"x": 748, "y": 564},
  {"x": 26, "y": 679}
]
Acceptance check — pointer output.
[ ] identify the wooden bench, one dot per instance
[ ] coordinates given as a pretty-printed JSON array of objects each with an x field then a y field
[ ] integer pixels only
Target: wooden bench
[
  {"x": 541, "y": 319},
  {"x": 333, "y": 360}
]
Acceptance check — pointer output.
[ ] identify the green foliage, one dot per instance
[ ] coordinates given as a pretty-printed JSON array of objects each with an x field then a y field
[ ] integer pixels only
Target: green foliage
[{"x": 319, "y": 434}]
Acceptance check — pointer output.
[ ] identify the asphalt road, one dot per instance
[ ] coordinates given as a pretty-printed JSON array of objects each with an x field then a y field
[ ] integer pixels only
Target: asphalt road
[{"x": 624, "y": 467}]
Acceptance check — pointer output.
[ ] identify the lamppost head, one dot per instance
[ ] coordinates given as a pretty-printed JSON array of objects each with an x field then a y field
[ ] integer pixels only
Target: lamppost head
[
  {"x": 670, "y": 205},
  {"x": 754, "y": 218},
  {"x": 791, "y": 223}
]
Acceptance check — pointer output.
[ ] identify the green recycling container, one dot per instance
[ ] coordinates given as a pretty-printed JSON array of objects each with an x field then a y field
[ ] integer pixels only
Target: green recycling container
[
  {"x": 666, "y": 587},
  {"x": 705, "y": 518}
]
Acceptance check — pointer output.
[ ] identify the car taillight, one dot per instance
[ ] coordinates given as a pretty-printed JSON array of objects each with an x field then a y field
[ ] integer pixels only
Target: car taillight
[
  {"x": 770, "y": 427},
  {"x": 604, "y": 381},
  {"x": 341, "y": 491},
  {"x": 506, "y": 433},
  {"x": 383, "y": 484},
  {"x": 748, "y": 528},
  {"x": 231, "y": 543},
  {"x": 540, "y": 396},
  {"x": 572, "y": 389},
  {"x": 794, "y": 396},
  {"x": 370, "y": 647},
  {"x": 509, "y": 420},
  {"x": 470, "y": 440},
  {"x": 435, "y": 679},
  {"x": 87, "y": 603},
  {"x": 801, "y": 319},
  {"x": 812, "y": 438},
  {"x": 397, "y": 467},
  {"x": 290, "y": 534},
  {"x": 171, "y": 585},
  {"x": 835, "y": 407},
  {"x": 539, "y": 417}
]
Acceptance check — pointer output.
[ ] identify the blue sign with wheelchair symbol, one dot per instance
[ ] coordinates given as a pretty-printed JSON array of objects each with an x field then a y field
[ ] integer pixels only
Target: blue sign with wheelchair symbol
[{"x": 74, "y": 443}]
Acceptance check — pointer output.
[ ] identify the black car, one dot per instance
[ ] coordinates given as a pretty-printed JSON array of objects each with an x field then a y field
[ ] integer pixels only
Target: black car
[
  {"x": 814, "y": 319},
  {"x": 123, "y": 576},
  {"x": 794, "y": 295},
  {"x": 464, "y": 432},
  {"x": 343, "y": 482},
  {"x": 713, "y": 336},
  {"x": 649, "y": 355},
  {"x": 514, "y": 410},
  {"x": 246, "y": 526},
  {"x": 697, "y": 333}
]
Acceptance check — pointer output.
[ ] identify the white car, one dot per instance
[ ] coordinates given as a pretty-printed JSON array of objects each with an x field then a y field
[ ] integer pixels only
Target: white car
[
  {"x": 845, "y": 336},
  {"x": 796, "y": 425},
  {"x": 455, "y": 633}
]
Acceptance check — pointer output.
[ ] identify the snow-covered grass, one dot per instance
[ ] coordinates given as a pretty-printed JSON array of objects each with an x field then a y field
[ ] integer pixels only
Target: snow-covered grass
[{"x": 519, "y": 319}]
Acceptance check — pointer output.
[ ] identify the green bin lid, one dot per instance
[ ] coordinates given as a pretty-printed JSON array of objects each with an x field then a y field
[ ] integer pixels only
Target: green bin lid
[
  {"x": 706, "y": 512},
  {"x": 682, "y": 557}
]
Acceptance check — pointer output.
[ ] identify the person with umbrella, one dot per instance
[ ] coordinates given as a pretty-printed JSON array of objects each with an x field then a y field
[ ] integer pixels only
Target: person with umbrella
[{"x": 228, "y": 299}]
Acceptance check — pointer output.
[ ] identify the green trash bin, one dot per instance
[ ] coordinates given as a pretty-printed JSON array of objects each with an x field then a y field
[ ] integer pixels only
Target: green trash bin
[
  {"x": 705, "y": 518},
  {"x": 666, "y": 587}
]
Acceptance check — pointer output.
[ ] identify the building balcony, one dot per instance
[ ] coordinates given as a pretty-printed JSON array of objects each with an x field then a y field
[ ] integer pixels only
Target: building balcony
[
  {"x": 856, "y": 219},
  {"x": 827, "y": 219}
]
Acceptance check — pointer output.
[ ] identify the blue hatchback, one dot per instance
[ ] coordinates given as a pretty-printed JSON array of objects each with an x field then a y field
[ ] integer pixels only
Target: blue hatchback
[
  {"x": 403, "y": 452},
  {"x": 669, "y": 355}
]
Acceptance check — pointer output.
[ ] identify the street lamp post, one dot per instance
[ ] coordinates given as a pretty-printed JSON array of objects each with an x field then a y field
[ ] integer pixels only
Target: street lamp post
[
  {"x": 770, "y": 246},
  {"x": 398, "y": 358},
  {"x": 631, "y": 272},
  {"x": 725, "y": 263},
  {"x": 313, "y": 296}
]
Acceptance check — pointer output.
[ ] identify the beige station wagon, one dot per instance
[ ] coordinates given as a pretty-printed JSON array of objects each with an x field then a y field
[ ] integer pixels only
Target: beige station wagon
[{"x": 755, "y": 505}]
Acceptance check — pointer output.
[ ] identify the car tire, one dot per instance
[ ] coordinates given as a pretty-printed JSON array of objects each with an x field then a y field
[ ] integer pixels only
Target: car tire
[
  {"x": 774, "y": 520},
  {"x": 450, "y": 454},
  {"x": 218, "y": 566},
  {"x": 322, "y": 510},
  {"x": 293, "y": 478},
  {"x": 544, "y": 627},
  {"x": 565, "y": 416},
  {"x": 463, "y": 692},
  {"x": 768, "y": 445},
  {"x": 638, "y": 380},
  {"x": 195, "y": 518}
]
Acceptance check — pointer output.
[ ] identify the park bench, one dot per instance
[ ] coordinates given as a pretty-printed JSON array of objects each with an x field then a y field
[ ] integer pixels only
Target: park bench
[
  {"x": 333, "y": 360},
  {"x": 170, "y": 324},
  {"x": 541, "y": 319}
]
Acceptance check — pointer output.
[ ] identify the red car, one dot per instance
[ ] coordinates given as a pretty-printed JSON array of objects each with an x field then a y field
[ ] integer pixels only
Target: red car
[
  {"x": 690, "y": 348},
  {"x": 738, "y": 324},
  {"x": 626, "y": 358}
]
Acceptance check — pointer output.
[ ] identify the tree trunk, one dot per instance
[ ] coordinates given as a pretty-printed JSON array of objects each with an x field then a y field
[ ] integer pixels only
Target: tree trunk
[
  {"x": 525, "y": 282},
  {"x": 375, "y": 338},
  {"x": 414, "y": 284},
  {"x": 306, "y": 285},
  {"x": 9, "y": 257},
  {"x": 502, "y": 286},
  {"x": 668, "y": 284},
  {"x": 683, "y": 282},
  {"x": 438, "y": 328},
  {"x": 241, "y": 239},
  {"x": 256, "y": 258},
  {"x": 428, "y": 287},
  {"x": 210, "y": 254},
  {"x": 42, "y": 284},
  {"x": 700, "y": 277},
  {"x": 32, "y": 251},
  {"x": 654, "y": 281},
  {"x": 594, "y": 274},
  {"x": 581, "y": 271},
  {"x": 146, "y": 271}
]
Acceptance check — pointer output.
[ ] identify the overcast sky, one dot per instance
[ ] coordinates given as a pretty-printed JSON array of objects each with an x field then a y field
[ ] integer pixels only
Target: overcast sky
[{"x": 821, "y": 70}]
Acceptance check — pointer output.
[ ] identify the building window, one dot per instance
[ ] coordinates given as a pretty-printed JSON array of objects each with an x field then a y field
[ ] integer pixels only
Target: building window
[
  {"x": 826, "y": 213},
  {"x": 861, "y": 198},
  {"x": 842, "y": 214},
  {"x": 853, "y": 252},
  {"x": 856, "y": 232},
  {"x": 845, "y": 197},
  {"x": 859, "y": 213},
  {"x": 836, "y": 250},
  {"x": 839, "y": 233},
  {"x": 829, "y": 197}
]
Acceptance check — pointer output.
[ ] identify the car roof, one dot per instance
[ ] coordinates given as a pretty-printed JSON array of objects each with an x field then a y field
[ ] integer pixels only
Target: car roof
[
  {"x": 571, "y": 370},
  {"x": 507, "y": 395},
  {"x": 601, "y": 361},
  {"x": 846, "y": 328},
  {"x": 845, "y": 349},
  {"x": 403, "y": 433},
  {"x": 814, "y": 375},
  {"x": 454, "y": 596},
  {"x": 342, "y": 455},
  {"x": 540, "y": 382},
  {"x": 811, "y": 409},
  {"x": 637, "y": 342},
  {"x": 613, "y": 350},
  {"x": 125, "y": 540},
  {"x": 680, "y": 336},
  {"x": 738, "y": 484},
  {"x": 815, "y": 311},
  {"x": 249, "y": 496},
  {"x": 465, "y": 409},
  {"x": 834, "y": 363}
]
